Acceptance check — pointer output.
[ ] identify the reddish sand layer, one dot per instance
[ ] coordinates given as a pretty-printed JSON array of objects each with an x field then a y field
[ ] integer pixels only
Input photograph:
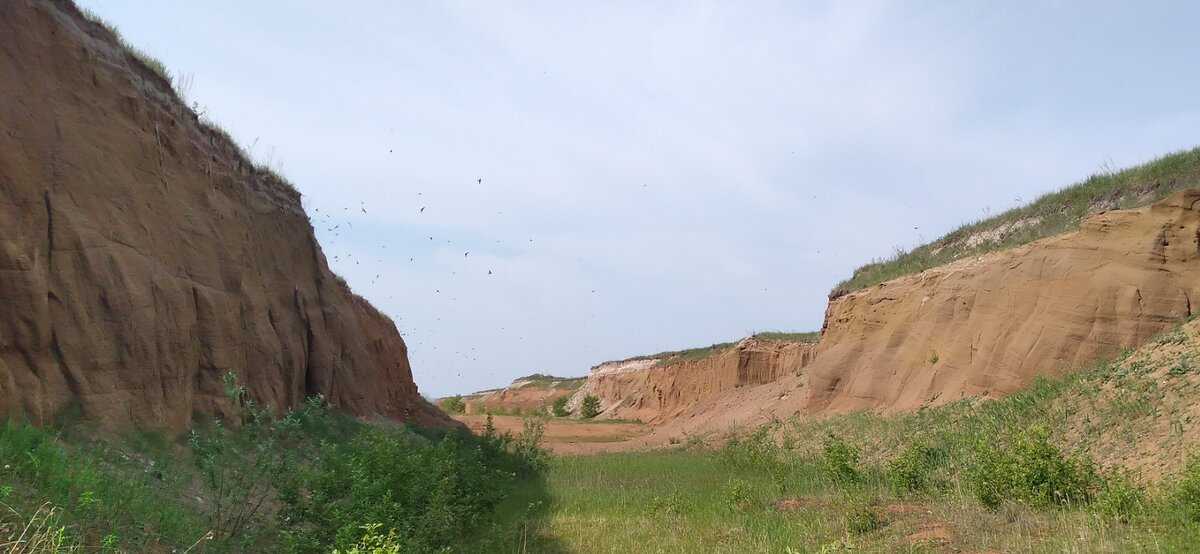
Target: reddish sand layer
[{"x": 642, "y": 389}]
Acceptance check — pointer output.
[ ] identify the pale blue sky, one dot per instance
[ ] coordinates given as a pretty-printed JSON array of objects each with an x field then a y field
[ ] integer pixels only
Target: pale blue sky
[{"x": 709, "y": 169}]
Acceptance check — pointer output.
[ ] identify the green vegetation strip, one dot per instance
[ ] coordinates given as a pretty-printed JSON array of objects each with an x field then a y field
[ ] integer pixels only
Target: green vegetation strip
[
  {"x": 1049, "y": 215},
  {"x": 307, "y": 481}
]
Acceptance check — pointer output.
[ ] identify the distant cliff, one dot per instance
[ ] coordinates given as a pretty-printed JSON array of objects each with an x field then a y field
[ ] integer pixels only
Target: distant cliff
[{"x": 656, "y": 391}]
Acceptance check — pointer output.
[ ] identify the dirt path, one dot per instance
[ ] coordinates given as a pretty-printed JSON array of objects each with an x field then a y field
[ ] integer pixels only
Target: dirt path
[{"x": 567, "y": 436}]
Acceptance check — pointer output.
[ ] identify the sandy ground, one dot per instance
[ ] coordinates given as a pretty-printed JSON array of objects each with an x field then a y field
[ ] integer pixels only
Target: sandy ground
[{"x": 568, "y": 436}]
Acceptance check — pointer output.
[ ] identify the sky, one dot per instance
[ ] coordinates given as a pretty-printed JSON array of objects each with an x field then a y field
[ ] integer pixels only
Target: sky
[{"x": 538, "y": 187}]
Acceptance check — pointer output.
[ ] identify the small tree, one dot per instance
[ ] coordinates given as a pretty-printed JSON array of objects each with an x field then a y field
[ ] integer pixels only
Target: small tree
[
  {"x": 559, "y": 408},
  {"x": 590, "y": 407},
  {"x": 453, "y": 404}
]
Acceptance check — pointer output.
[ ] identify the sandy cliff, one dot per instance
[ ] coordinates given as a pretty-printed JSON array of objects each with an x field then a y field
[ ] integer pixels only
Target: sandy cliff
[
  {"x": 654, "y": 393},
  {"x": 142, "y": 257},
  {"x": 987, "y": 325},
  {"x": 990, "y": 324},
  {"x": 535, "y": 392}
]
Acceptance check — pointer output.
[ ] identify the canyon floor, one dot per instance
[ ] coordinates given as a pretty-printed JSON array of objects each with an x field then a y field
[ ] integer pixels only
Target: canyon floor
[{"x": 568, "y": 436}]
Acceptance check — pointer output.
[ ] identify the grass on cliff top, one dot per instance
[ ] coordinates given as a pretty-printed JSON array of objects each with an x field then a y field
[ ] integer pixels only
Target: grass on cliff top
[
  {"x": 676, "y": 356},
  {"x": 1049, "y": 215},
  {"x": 182, "y": 87},
  {"x": 547, "y": 381},
  {"x": 809, "y": 336}
]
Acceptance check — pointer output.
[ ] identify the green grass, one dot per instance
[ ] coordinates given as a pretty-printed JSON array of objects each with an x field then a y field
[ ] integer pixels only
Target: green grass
[
  {"x": 1052, "y": 214},
  {"x": 1016, "y": 474},
  {"x": 809, "y": 336},
  {"x": 697, "y": 501}
]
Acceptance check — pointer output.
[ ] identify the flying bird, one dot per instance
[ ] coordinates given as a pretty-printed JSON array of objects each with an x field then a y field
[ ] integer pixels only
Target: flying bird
[
  {"x": 480, "y": 181},
  {"x": 422, "y": 209},
  {"x": 465, "y": 254}
]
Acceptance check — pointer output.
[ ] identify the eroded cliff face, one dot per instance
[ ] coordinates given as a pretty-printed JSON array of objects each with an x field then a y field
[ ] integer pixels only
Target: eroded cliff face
[
  {"x": 985, "y": 326},
  {"x": 142, "y": 257},
  {"x": 525, "y": 394},
  {"x": 991, "y": 324},
  {"x": 654, "y": 393}
]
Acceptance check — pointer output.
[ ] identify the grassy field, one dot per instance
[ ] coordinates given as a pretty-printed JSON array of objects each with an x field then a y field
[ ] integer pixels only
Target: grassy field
[
  {"x": 1079, "y": 463},
  {"x": 1048, "y": 215}
]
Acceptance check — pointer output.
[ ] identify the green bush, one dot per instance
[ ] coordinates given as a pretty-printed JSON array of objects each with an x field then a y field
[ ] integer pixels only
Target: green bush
[
  {"x": 861, "y": 518},
  {"x": 1024, "y": 467},
  {"x": 757, "y": 451},
  {"x": 913, "y": 469},
  {"x": 374, "y": 542},
  {"x": 737, "y": 494},
  {"x": 1119, "y": 497},
  {"x": 528, "y": 446},
  {"x": 453, "y": 404},
  {"x": 559, "y": 408},
  {"x": 590, "y": 407},
  {"x": 1186, "y": 492},
  {"x": 430, "y": 489},
  {"x": 841, "y": 460}
]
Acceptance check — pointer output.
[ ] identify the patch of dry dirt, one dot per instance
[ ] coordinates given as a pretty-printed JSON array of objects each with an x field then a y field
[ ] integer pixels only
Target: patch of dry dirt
[{"x": 566, "y": 436}]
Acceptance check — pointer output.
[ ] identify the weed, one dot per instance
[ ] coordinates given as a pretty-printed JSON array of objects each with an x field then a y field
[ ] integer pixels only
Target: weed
[
  {"x": 841, "y": 460},
  {"x": 861, "y": 518},
  {"x": 1026, "y": 468},
  {"x": 912, "y": 470},
  {"x": 1186, "y": 492},
  {"x": 737, "y": 494},
  {"x": 1119, "y": 497},
  {"x": 667, "y": 505}
]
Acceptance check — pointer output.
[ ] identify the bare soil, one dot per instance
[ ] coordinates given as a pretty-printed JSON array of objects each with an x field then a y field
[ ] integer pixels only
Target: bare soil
[{"x": 566, "y": 436}]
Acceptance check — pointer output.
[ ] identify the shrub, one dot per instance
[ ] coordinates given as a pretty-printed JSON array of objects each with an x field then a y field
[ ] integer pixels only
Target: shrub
[
  {"x": 374, "y": 542},
  {"x": 431, "y": 490},
  {"x": 670, "y": 505},
  {"x": 1119, "y": 497},
  {"x": 453, "y": 404},
  {"x": 590, "y": 407},
  {"x": 841, "y": 460},
  {"x": 1027, "y": 469},
  {"x": 1186, "y": 492},
  {"x": 862, "y": 519},
  {"x": 757, "y": 451},
  {"x": 528, "y": 446},
  {"x": 737, "y": 494},
  {"x": 912, "y": 470},
  {"x": 559, "y": 408}
]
